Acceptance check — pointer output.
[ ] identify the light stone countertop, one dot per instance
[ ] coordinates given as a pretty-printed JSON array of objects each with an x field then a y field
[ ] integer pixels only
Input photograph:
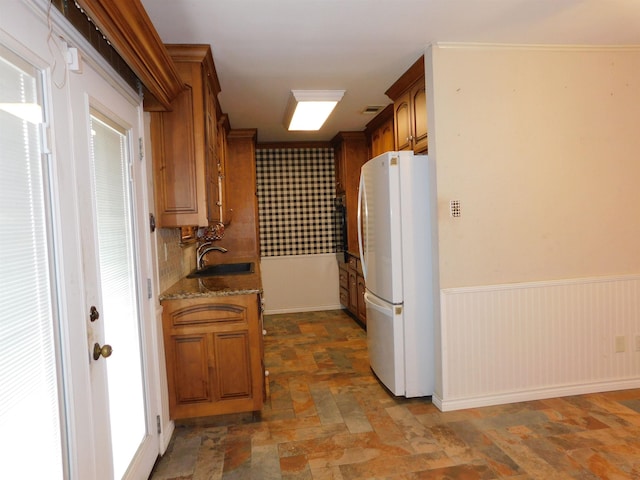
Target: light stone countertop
[{"x": 218, "y": 286}]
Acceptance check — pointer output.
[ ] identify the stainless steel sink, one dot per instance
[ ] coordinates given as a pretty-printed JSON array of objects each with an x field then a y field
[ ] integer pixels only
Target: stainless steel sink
[{"x": 223, "y": 269}]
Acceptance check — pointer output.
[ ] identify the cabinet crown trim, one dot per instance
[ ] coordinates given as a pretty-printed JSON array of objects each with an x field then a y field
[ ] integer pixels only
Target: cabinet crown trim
[
  {"x": 130, "y": 30},
  {"x": 196, "y": 53},
  {"x": 408, "y": 78}
]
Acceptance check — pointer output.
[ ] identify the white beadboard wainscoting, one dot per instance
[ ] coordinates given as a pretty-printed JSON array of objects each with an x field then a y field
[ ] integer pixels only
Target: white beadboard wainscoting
[
  {"x": 519, "y": 342},
  {"x": 300, "y": 283}
]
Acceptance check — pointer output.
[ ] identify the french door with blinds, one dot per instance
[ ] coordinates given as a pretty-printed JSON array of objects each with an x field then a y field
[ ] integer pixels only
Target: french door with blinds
[
  {"x": 78, "y": 396},
  {"x": 29, "y": 312},
  {"x": 107, "y": 125}
]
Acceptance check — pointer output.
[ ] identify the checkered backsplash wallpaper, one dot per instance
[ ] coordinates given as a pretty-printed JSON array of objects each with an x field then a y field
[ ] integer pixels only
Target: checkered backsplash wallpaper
[{"x": 295, "y": 201}]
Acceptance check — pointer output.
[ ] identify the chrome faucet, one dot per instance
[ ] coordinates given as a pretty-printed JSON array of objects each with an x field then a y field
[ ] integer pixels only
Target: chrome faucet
[{"x": 205, "y": 248}]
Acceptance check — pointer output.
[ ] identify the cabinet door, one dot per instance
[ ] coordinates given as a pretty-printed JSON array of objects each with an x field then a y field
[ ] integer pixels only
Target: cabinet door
[
  {"x": 387, "y": 141},
  {"x": 382, "y": 139},
  {"x": 177, "y": 199},
  {"x": 419, "y": 125},
  {"x": 344, "y": 286},
  {"x": 402, "y": 117},
  {"x": 232, "y": 366},
  {"x": 189, "y": 368}
]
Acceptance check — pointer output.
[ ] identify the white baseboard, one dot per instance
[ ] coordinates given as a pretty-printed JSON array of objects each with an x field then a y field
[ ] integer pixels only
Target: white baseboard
[
  {"x": 526, "y": 396},
  {"x": 317, "y": 308}
]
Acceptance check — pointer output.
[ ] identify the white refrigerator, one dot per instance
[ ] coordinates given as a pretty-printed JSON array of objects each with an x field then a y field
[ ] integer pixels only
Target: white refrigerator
[{"x": 397, "y": 240}]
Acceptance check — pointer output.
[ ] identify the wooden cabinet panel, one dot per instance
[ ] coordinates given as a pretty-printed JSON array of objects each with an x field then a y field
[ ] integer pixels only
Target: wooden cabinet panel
[
  {"x": 419, "y": 126},
  {"x": 353, "y": 291},
  {"x": 352, "y": 288},
  {"x": 343, "y": 278},
  {"x": 344, "y": 297},
  {"x": 410, "y": 109},
  {"x": 351, "y": 152},
  {"x": 383, "y": 140},
  {"x": 242, "y": 234},
  {"x": 340, "y": 171},
  {"x": 232, "y": 364},
  {"x": 403, "y": 122},
  {"x": 219, "y": 190},
  {"x": 214, "y": 355},
  {"x": 380, "y": 132},
  {"x": 190, "y": 357},
  {"x": 175, "y": 180},
  {"x": 185, "y": 145}
]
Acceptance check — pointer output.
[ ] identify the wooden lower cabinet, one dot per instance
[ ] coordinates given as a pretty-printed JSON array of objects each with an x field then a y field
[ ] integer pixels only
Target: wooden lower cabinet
[
  {"x": 352, "y": 288},
  {"x": 343, "y": 273},
  {"x": 362, "y": 306},
  {"x": 213, "y": 350}
]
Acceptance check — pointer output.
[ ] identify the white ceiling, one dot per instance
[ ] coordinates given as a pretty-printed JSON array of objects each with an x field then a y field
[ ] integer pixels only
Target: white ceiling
[{"x": 263, "y": 49}]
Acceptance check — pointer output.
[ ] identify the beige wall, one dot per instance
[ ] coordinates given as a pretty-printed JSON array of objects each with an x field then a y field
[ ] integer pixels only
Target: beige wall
[
  {"x": 542, "y": 148},
  {"x": 300, "y": 283}
]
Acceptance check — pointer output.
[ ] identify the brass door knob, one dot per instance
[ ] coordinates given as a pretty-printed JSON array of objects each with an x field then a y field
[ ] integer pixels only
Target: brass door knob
[{"x": 104, "y": 351}]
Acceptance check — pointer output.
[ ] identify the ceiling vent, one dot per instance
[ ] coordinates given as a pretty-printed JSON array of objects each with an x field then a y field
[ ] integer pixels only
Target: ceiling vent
[{"x": 372, "y": 109}]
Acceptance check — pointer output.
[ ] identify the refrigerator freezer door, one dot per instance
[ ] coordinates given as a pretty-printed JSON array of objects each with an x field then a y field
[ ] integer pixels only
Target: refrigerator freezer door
[
  {"x": 380, "y": 223},
  {"x": 385, "y": 342}
]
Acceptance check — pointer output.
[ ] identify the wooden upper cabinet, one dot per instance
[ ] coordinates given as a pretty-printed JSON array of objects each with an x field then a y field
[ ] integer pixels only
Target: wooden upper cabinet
[
  {"x": 185, "y": 144},
  {"x": 410, "y": 109},
  {"x": 380, "y": 132},
  {"x": 242, "y": 238},
  {"x": 350, "y": 153}
]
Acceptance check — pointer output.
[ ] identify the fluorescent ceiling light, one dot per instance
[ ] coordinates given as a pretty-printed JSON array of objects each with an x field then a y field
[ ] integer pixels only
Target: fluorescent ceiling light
[{"x": 309, "y": 109}]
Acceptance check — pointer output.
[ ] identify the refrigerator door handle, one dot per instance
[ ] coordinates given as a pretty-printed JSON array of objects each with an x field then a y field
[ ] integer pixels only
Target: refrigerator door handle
[
  {"x": 372, "y": 302},
  {"x": 362, "y": 193}
]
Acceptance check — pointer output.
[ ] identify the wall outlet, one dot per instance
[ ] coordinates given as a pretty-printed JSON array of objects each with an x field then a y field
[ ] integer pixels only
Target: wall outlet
[{"x": 621, "y": 343}]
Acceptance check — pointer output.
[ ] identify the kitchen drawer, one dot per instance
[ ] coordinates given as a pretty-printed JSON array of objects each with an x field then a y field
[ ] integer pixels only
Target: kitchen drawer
[{"x": 344, "y": 278}]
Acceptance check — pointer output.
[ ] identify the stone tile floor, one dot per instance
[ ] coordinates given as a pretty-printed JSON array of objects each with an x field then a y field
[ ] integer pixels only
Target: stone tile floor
[{"x": 327, "y": 417}]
